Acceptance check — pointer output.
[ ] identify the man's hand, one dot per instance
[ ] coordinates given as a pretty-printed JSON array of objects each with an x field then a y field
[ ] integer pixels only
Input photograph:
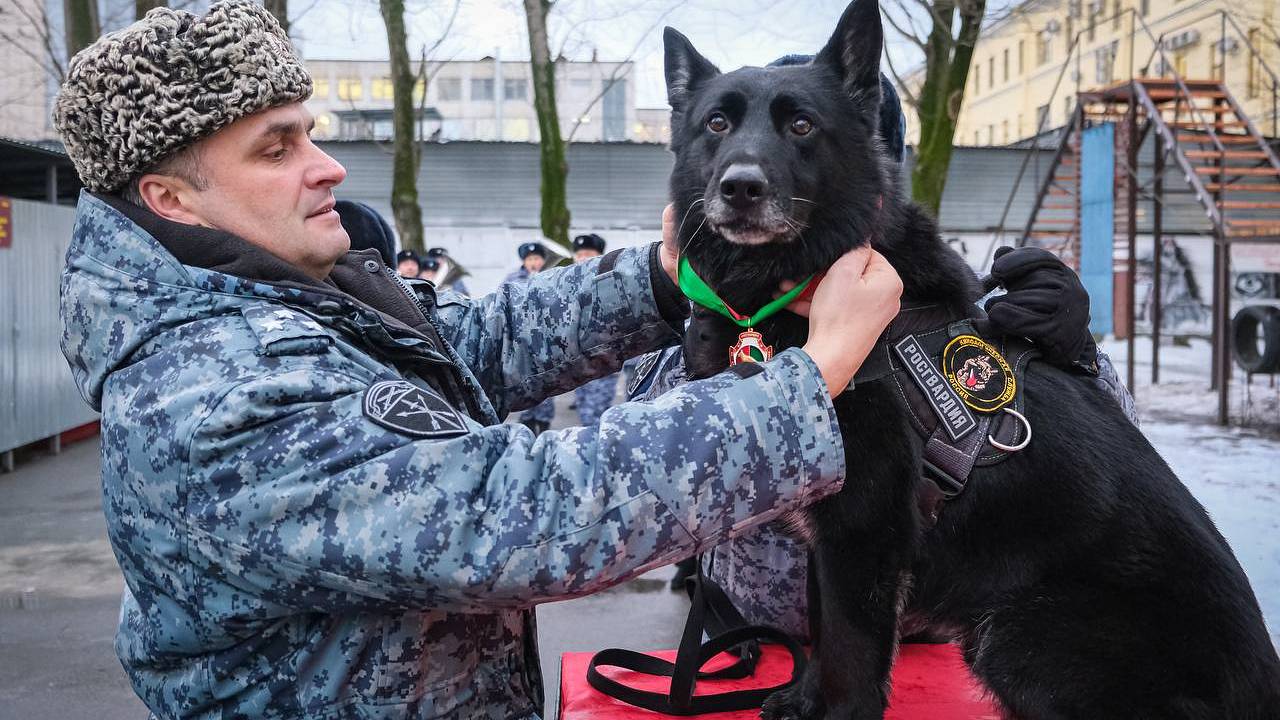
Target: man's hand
[
  {"x": 1045, "y": 303},
  {"x": 851, "y": 307},
  {"x": 670, "y": 251}
]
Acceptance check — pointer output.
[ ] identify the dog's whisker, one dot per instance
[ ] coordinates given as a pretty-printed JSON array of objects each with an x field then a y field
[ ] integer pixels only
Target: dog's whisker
[
  {"x": 694, "y": 235},
  {"x": 692, "y": 205},
  {"x": 805, "y": 200}
]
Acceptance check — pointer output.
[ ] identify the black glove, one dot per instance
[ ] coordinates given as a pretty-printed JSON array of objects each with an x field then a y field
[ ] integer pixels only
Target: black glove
[{"x": 1045, "y": 303}]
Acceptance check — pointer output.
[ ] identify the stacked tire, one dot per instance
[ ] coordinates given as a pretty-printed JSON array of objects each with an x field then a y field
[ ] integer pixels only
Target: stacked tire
[{"x": 1255, "y": 338}]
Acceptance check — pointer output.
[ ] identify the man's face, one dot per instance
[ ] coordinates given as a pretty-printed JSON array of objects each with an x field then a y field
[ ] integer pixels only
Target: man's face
[
  {"x": 584, "y": 255},
  {"x": 534, "y": 262},
  {"x": 267, "y": 183},
  {"x": 407, "y": 268}
]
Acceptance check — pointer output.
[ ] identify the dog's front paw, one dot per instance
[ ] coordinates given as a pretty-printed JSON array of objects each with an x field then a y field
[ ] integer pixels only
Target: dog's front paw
[{"x": 793, "y": 703}]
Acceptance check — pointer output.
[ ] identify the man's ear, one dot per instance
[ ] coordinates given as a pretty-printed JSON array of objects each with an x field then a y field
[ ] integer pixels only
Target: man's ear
[
  {"x": 169, "y": 197},
  {"x": 685, "y": 69},
  {"x": 854, "y": 50}
]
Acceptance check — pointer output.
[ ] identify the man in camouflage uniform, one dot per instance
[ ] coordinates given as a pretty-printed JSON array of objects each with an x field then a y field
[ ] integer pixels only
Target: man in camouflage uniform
[
  {"x": 596, "y": 396},
  {"x": 307, "y": 484}
]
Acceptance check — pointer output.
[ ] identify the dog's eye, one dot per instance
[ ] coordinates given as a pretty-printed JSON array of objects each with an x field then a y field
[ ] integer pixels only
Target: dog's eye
[
  {"x": 717, "y": 123},
  {"x": 801, "y": 125}
]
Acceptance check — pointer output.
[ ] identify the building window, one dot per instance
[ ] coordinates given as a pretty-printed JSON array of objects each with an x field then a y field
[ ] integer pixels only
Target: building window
[
  {"x": 975, "y": 138},
  {"x": 515, "y": 89},
  {"x": 991, "y": 134},
  {"x": 977, "y": 80},
  {"x": 350, "y": 89},
  {"x": 449, "y": 89},
  {"x": 1044, "y": 47},
  {"x": 320, "y": 88},
  {"x": 1115, "y": 19},
  {"x": 1018, "y": 130},
  {"x": 991, "y": 71},
  {"x": 1093, "y": 25},
  {"x": 1145, "y": 6},
  {"x": 1004, "y": 131},
  {"x": 1021, "y": 48},
  {"x": 1066, "y": 109},
  {"x": 481, "y": 89},
  {"x": 383, "y": 89},
  {"x": 516, "y": 129},
  {"x": 1042, "y": 115},
  {"x": 1006, "y": 64},
  {"x": 1252, "y": 84},
  {"x": 1104, "y": 60}
]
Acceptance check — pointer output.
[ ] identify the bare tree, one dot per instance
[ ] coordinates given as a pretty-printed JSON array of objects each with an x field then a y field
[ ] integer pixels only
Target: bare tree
[
  {"x": 555, "y": 168},
  {"x": 80, "y": 20},
  {"x": 142, "y": 7},
  {"x": 948, "y": 52},
  {"x": 404, "y": 163}
]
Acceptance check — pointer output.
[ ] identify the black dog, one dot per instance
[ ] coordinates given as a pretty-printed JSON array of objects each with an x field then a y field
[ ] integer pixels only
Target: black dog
[{"x": 1080, "y": 577}]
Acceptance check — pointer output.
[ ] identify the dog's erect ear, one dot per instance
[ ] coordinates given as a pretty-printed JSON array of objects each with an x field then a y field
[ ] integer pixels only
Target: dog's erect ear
[
  {"x": 685, "y": 68},
  {"x": 854, "y": 49}
]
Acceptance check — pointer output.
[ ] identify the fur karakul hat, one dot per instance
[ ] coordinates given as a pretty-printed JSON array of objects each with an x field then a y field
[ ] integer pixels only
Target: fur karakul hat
[{"x": 137, "y": 95}]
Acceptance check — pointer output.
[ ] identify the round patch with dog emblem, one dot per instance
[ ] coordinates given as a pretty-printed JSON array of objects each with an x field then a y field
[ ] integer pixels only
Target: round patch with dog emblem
[
  {"x": 401, "y": 406},
  {"x": 979, "y": 373},
  {"x": 750, "y": 348}
]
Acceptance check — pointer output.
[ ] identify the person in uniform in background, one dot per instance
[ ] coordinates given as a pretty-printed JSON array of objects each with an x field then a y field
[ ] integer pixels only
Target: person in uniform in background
[
  {"x": 596, "y": 396},
  {"x": 407, "y": 264},
  {"x": 430, "y": 270},
  {"x": 533, "y": 258},
  {"x": 448, "y": 274}
]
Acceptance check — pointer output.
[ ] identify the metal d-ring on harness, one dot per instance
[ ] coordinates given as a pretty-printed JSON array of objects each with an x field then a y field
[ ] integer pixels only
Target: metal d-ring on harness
[{"x": 1025, "y": 441}]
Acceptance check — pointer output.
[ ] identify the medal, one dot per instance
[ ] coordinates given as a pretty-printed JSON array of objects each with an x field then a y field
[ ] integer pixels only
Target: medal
[{"x": 750, "y": 348}]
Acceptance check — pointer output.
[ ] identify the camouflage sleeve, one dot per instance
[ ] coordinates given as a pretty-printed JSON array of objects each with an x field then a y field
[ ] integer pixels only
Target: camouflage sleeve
[
  {"x": 529, "y": 341},
  {"x": 294, "y": 494},
  {"x": 1109, "y": 381}
]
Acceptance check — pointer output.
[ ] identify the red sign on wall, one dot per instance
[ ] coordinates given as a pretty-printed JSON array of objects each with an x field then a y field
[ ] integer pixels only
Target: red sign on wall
[{"x": 6, "y": 222}]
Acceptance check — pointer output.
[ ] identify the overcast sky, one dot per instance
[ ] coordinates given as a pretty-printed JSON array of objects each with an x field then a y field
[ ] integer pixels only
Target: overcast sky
[{"x": 730, "y": 33}]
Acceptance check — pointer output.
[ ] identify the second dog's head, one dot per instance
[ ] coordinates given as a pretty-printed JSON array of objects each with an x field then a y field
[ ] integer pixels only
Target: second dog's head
[{"x": 764, "y": 154}]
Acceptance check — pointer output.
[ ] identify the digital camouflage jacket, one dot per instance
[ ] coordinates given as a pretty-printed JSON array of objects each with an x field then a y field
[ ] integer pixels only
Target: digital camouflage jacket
[{"x": 316, "y": 508}]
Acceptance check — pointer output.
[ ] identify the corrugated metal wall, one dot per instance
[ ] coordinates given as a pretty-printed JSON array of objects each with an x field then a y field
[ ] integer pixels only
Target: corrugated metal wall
[{"x": 38, "y": 398}]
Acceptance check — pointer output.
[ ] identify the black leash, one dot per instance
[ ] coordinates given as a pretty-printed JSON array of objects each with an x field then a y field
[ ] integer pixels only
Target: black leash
[{"x": 712, "y": 610}]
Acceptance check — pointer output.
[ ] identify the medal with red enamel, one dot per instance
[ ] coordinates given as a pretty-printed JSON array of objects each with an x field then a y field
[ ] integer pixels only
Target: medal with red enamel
[{"x": 750, "y": 348}]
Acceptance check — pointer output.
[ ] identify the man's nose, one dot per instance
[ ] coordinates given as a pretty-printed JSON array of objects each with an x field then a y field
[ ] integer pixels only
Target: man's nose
[
  {"x": 743, "y": 185},
  {"x": 326, "y": 172}
]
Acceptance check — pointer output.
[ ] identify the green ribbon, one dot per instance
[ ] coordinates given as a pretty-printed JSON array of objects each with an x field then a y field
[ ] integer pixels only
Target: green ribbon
[{"x": 697, "y": 290}]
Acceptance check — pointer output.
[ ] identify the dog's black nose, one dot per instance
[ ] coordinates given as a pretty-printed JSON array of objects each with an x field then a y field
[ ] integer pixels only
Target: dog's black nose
[{"x": 743, "y": 185}]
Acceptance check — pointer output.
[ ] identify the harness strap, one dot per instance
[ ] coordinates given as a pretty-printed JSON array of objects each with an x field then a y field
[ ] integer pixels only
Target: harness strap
[{"x": 693, "y": 654}]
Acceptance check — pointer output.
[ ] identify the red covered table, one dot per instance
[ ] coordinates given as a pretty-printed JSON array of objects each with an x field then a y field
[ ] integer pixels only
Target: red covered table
[{"x": 930, "y": 682}]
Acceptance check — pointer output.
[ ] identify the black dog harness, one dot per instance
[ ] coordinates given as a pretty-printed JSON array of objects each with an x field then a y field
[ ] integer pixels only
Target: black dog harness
[{"x": 962, "y": 393}]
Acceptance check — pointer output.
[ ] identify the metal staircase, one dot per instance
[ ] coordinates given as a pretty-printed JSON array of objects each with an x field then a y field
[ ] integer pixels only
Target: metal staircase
[{"x": 1226, "y": 162}]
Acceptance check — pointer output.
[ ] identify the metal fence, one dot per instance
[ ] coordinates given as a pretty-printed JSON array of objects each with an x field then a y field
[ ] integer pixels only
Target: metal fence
[{"x": 38, "y": 398}]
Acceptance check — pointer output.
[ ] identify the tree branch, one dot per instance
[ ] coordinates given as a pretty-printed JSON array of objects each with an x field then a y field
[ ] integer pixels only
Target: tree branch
[
  {"x": 911, "y": 36},
  {"x": 903, "y": 89},
  {"x": 613, "y": 77}
]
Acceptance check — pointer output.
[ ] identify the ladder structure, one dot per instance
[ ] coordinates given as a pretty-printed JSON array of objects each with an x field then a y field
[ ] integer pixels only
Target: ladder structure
[{"x": 1226, "y": 162}]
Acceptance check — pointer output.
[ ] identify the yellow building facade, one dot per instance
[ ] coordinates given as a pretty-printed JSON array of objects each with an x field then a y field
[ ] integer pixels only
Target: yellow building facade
[{"x": 1025, "y": 67}]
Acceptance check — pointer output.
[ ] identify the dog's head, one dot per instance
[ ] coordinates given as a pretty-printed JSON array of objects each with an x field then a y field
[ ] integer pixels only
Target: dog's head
[{"x": 762, "y": 154}]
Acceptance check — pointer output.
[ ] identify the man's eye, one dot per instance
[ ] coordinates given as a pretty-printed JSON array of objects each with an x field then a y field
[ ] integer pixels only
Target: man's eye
[
  {"x": 277, "y": 154},
  {"x": 802, "y": 125},
  {"x": 717, "y": 123}
]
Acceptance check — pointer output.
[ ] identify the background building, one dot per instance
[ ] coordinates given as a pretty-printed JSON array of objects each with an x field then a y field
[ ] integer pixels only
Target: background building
[
  {"x": 1021, "y": 57},
  {"x": 487, "y": 99}
]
